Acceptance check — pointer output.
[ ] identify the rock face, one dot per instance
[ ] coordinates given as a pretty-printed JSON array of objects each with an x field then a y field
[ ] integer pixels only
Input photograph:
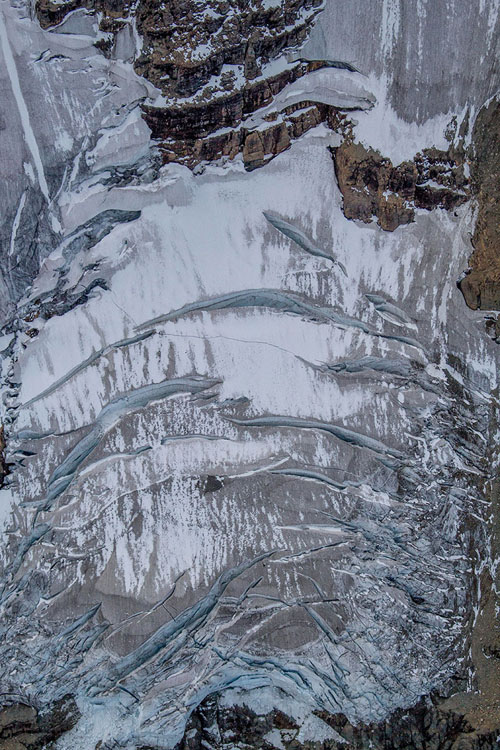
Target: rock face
[
  {"x": 481, "y": 285},
  {"x": 207, "y": 131},
  {"x": 186, "y": 44},
  {"x": 22, "y": 727},
  {"x": 411, "y": 48},
  {"x": 4, "y": 469},
  {"x": 423, "y": 727},
  {"x": 373, "y": 188},
  {"x": 214, "y": 63},
  {"x": 250, "y": 433}
]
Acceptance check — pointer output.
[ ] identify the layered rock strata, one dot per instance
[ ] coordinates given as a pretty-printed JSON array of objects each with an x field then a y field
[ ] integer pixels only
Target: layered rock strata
[
  {"x": 186, "y": 45},
  {"x": 213, "y": 65},
  {"x": 425, "y": 726},
  {"x": 223, "y": 126}
]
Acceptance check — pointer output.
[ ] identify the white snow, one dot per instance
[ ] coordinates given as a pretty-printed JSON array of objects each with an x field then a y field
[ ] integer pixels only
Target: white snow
[
  {"x": 15, "y": 224},
  {"x": 139, "y": 506},
  {"x": 314, "y": 729},
  {"x": 382, "y": 130},
  {"x": 29, "y": 135},
  {"x": 7, "y": 503},
  {"x": 275, "y": 739},
  {"x": 124, "y": 143}
]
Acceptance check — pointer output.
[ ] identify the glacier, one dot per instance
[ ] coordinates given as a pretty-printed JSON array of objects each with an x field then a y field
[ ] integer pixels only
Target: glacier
[{"x": 251, "y": 445}]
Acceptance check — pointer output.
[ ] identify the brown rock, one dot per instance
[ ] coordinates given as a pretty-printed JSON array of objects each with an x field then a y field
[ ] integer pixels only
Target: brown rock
[
  {"x": 196, "y": 120},
  {"x": 252, "y": 68},
  {"x": 402, "y": 179},
  {"x": 372, "y": 187},
  {"x": 184, "y": 53},
  {"x": 246, "y": 34},
  {"x": 253, "y": 150},
  {"x": 262, "y": 144},
  {"x": 304, "y": 121},
  {"x": 24, "y": 727},
  {"x": 276, "y": 139},
  {"x": 424, "y": 726},
  {"x": 481, "y": 287},
  {"x": 270, "y": 142},
  {"x": 392, "y": 211},
  {"x": 362, "y": 177}
]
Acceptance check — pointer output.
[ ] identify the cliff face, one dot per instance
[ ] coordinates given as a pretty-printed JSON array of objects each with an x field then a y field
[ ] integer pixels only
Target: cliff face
[
  {"x": 249, "y": 425},
  {"x": 186, "y": 44},
  {"x": 372, "y": 187},
  {"x": 213, "y": 65},
  {"x": 423, "y": 727},
  {"x": 481, "y": 285}
]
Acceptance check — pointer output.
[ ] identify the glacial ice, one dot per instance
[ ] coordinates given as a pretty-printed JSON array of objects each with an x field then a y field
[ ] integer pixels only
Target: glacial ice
[{"x": 327, "y": 572}]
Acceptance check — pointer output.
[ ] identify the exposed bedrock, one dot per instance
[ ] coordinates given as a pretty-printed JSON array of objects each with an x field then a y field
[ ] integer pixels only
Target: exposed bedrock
[
  {"x": 426, "y": 726},
  {"x": 24, "y": 727},
  {"x": 373, "y": 188},
  {"x": 190, "y": 133},
  {"x": 481, "y": 285},
  {"x": 185, "y": 43},
  {"x": 215, "y": 65}
]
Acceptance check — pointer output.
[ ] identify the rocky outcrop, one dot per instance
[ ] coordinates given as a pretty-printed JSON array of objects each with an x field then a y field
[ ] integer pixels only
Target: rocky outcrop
[
  {"x": 425, "y": 726},
  {"x": 208, "y": 36},
  {"x": 215, "y": 65},
  {"x": 373, "y": 188},
  {"x": 189, "y": 132},
  {"x": 23, "y": 727},
  {"x": 4, "y": 468},
  {"x": 257, "y": 146},
  {"x": 481, "y": 286},
  {"x": 185, "y": 44}
]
